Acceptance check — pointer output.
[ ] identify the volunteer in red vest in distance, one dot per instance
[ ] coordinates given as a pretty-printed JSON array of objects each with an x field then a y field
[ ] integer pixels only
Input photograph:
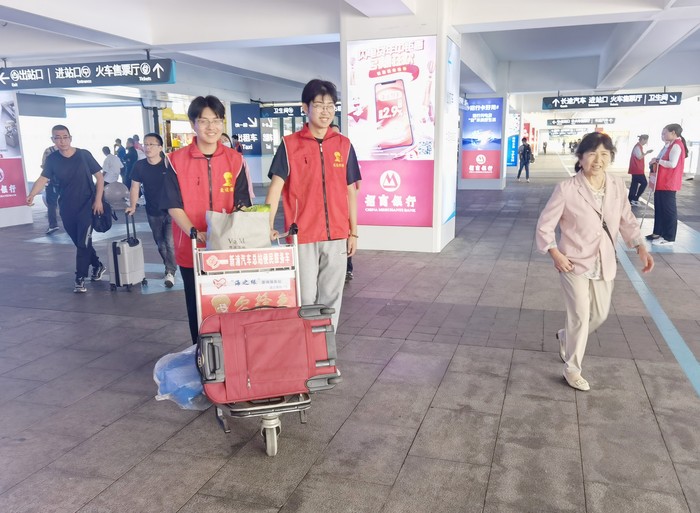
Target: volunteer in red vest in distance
[
  {"x": 315, "y": 170},
  {"x": 205, "y": 175},
  {"x": 636, "y": 169},
  {"x": 669, "y": 178}
]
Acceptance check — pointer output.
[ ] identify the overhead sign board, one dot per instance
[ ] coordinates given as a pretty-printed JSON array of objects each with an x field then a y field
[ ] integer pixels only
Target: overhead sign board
[
  {"x": 602, "y": 101},
  {"x": 580, "y": 121},
  {"x": 136, "y": 72}
]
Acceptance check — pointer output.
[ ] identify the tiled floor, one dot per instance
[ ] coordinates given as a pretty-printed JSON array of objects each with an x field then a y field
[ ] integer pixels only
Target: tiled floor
[{"x": 452, "y": 399}]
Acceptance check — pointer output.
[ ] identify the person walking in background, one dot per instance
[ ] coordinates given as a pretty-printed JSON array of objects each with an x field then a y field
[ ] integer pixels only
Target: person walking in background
[
  {"x": 525, "y": 153},
  {"x": 111, "y": 167},
  {"x": 131, "y": 158},
  {"x": 315, "y": 171},
  {"x": 79, "y": 197},
  {"x": 669, "y": 178},
  {"x": 151, "y": 172},
  {"x": 137, "y": 143},
  {"x": 636, "y": 169},
  {"x": 590, "y": 209},
  {"x": 120, "y": 152},
  {"x": 51, "y": 195},
  {"x": 544, "y": 147},
  {"x": 236, "y": 144},
  {"x": 205, "y": 175}
]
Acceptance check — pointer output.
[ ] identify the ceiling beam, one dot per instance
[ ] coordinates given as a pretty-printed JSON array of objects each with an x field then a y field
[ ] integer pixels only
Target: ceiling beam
[{"x": 381, "y": 8}]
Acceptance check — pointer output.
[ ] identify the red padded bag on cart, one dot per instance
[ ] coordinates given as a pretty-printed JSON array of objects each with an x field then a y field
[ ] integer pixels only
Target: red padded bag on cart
[{"x": 266, "y": 353}]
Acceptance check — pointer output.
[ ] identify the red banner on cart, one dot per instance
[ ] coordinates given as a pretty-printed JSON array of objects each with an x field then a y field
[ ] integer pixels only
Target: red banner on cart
[
  {"x": 248, "y": 259},
  {"x": 244, "y": 291}
]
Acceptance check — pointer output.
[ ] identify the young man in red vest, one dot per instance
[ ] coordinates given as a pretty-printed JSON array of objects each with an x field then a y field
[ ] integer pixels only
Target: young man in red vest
[
  {"x": 315, "y": 171},
  {"x": 636, "y": 169},
  {"x": 205, "y": 175}
]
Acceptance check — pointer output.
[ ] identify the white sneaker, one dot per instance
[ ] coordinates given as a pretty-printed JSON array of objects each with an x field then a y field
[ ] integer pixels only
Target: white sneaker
[
  {"x": 169, "y": 280},
  {"x": 578, "y": 383},
  {"x": 662, "y": 242}
]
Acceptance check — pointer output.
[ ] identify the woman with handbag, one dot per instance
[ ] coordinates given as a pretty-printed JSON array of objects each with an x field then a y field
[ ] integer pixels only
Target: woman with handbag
[{"x": 590, "y": 209}]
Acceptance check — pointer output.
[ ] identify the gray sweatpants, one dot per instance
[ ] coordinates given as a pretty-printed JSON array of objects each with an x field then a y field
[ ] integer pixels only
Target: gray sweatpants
[{"x": 322, "y": 268}]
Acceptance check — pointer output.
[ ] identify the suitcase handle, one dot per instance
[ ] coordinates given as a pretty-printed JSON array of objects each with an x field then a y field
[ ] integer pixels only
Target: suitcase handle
[
  {"x": 131, "y": 239},
  {"x": 210, "y": 359}
]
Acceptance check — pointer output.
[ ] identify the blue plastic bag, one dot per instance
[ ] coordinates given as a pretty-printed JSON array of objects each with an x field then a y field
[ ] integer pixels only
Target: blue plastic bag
[{"x": 178, "y": 380}]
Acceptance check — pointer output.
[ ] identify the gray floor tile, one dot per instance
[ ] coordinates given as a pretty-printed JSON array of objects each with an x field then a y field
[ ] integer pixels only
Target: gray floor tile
[
  {"x": 603, "y": 498},
  {"x": 323, "y": 420},
  {"x": 252, "y": 476},
  {"x": 358, "y": 377},
  {"x": 339, "y": 495},
  {"x": 415, "y": 369},
  {"x": 610, "y": 450},
  {"x": 27, "y": 452},
  {"x": 437, "y": 485},
  {"x": 395, "y": 404},
  {"x": 536, "y": 422},
  {"x": 478, "y": 392},
  {"x": 457, "y": 435},
  {"x": 371, "y": 453},
  {"x": 681, "y": 432},
  {"x": 369, "y": 350},
  {"x": 10, "y": 388},
  {"x": 207, "y": 504},
  {"x": 162, "y": 482},
  {"x": 689, "y": 476},
  {"x": 54, "y": 365},
  {"x": 481, "y": 360},
  {"x": 59, "y": 491},
  {"x": 18, "y": 415},
  {"x": 517, "y": 479}
]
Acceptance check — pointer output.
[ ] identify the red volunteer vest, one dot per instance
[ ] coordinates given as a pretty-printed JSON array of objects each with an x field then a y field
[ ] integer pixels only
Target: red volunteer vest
[
  {"x": 203, "y": 180},
  {"x": 315, "y": 194},
  {"x": 637, "y": 165},
  {"x": 671, "y": 178}
]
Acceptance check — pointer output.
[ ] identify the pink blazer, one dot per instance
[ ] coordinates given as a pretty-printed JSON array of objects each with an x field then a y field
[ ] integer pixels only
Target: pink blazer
[{"x": 573, "y": 208}]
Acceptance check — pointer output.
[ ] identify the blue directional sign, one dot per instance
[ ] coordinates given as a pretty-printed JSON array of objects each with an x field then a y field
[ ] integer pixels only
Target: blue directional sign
[
  {"x": 245, "y": 118},
  {"x": 602, "y": 101},
  {"x": 136, "y": 72}
]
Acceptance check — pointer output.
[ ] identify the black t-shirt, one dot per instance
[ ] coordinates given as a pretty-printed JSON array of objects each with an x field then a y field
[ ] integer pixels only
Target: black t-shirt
[
  {"x": 280, "y": 165},
  {"x": 73, "y": 176},
  {"x": 151, "y": 177}
]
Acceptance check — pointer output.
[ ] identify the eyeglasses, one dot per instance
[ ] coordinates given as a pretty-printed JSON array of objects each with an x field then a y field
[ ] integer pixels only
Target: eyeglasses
[
  {"x": 328, "y": 107},
  {"x": 61, "y": 137},
  {"x": 206, "y": 123},
  {"x": 151, "y": 145}
]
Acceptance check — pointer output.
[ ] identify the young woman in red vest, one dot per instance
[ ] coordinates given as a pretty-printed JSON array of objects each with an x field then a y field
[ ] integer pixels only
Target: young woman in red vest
[
  {"x": 636, "y": 169},
  {"x": 669, "y": 178}
]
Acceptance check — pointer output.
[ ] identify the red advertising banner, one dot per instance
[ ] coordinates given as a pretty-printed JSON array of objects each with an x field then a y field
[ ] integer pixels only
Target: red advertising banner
[
  {"x": 13, "y": 190},
  {"x": 396, "y": 193},
  {"x": 481, "y": 164},
  {"x": 247, "y": 259}
]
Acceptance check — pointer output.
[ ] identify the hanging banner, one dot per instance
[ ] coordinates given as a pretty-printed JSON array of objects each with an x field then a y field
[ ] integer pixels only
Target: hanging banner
[
  {"x": 482, "y": 121},
  {"x": 391, "y": 123},
  {"x": 13, "y": 190},
  {"x": 513, "y": 132}
]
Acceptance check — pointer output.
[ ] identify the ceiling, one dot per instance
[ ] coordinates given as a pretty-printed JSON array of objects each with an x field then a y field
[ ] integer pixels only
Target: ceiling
[{"x": 268, "y": 50}]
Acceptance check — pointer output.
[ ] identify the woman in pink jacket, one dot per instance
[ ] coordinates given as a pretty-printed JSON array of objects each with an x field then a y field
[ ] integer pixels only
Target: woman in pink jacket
[{"x": 591, "y": 209}]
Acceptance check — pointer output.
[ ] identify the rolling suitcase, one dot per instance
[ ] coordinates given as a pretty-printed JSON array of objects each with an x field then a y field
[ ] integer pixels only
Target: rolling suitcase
[
  {"x": 267, "y": 352},
  {"x": 125, "y": 260}
]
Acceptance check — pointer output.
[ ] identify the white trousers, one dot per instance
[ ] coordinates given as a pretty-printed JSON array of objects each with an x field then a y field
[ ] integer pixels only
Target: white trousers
[
  {"x": 587, "y": 307},
  {"x": 322, "y": 267}
]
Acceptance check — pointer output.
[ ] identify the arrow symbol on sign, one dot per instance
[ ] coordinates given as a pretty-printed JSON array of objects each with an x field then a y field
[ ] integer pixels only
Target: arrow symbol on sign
[
  {"x": 555, "y": 102},
  {"x": 158, "y": 69},
  {"x": 253, "y": 122},
  {"x": 674, "y": 99},
  {"x": 3, "y": 77}
]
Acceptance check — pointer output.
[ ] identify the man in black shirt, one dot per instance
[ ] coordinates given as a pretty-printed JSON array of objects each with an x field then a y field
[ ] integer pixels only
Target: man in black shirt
[
  {"x": 150, "y": 172},
  {"x": 73, "y": 169}
]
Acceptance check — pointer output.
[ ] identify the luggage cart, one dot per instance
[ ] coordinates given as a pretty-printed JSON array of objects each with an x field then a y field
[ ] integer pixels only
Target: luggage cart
[{"x": 269, "y": 269}]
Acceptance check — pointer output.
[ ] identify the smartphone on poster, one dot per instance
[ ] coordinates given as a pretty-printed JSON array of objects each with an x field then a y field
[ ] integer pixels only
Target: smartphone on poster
[{"x": 393, "y": 121}]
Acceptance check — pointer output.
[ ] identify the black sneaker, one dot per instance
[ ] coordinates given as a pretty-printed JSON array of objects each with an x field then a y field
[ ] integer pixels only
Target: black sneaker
[
  {"x": 51, "y": 230},
  {"x": 98, "y": 272},
  {"x": 348, "y": 276},
  {"x": 652, "y": 236},
  {"x": 79, "y": 286}
]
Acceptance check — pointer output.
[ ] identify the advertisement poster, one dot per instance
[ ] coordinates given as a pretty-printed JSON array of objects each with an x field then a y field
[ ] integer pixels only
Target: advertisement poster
[
  {"x": 482, "y": 121},
  {"x": 513, "y": 131},
  {"x": 450, "y": 134},
  {"x": 13, "y": 190},
  {"x": 391, "y": 123}
]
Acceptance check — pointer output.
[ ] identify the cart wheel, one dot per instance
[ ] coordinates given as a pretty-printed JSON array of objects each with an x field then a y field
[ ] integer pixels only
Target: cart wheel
[
  {"x": 112, "y": 287},
  {"x": 144, "y": 282},
  {"x": 271, "y": 436}
]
